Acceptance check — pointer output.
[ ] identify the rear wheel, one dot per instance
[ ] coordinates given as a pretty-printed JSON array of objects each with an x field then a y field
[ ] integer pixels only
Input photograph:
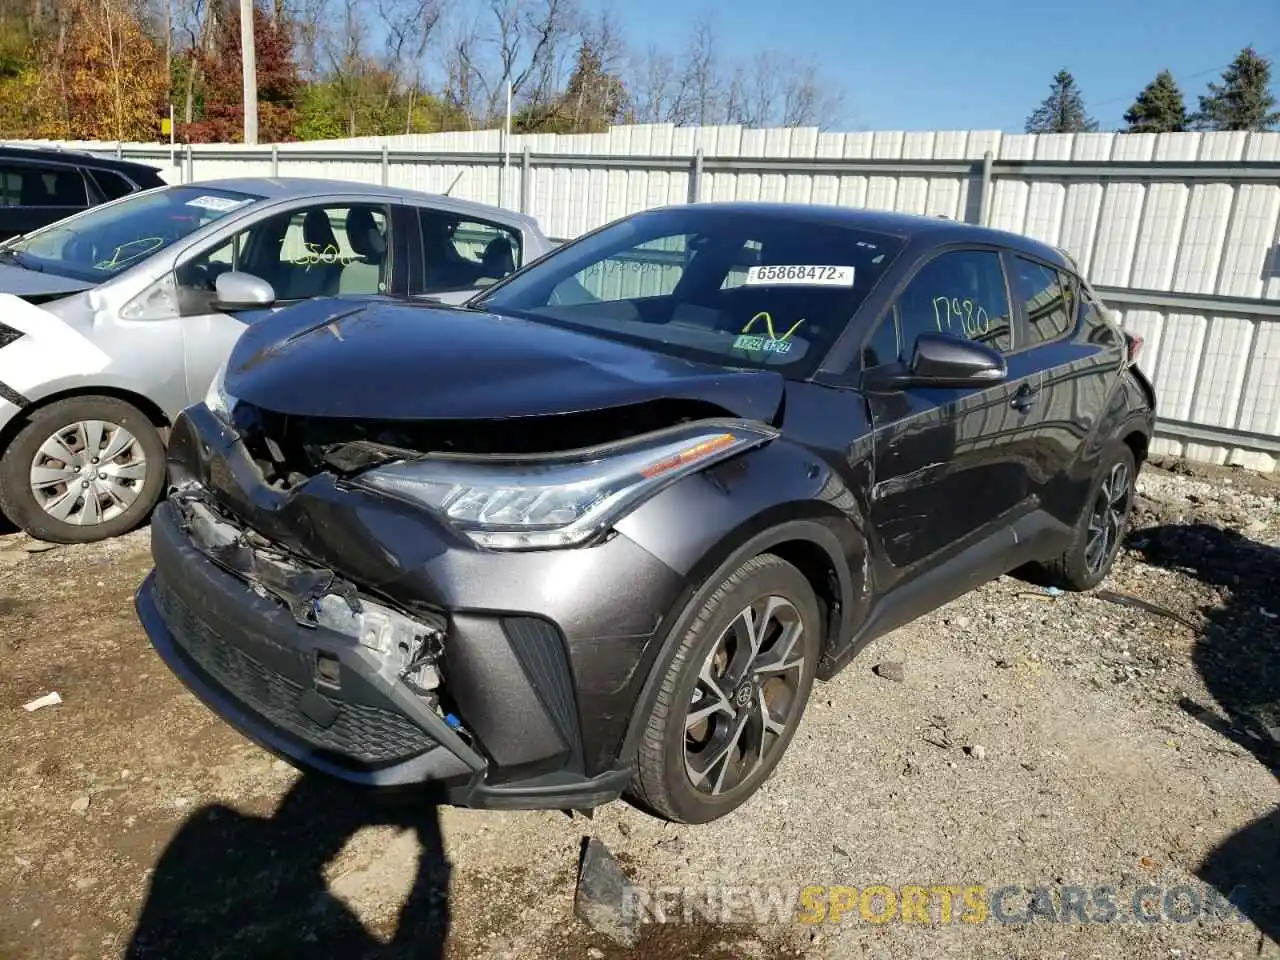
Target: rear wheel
[
  {"x": 732, "y": 695},
  {"x": 82, "y": 469},
  {"x": 1102, "y": 524}
]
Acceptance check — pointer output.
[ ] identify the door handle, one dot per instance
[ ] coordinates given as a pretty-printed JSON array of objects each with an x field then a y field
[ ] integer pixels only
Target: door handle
[{"x": 1025, "y": 397}]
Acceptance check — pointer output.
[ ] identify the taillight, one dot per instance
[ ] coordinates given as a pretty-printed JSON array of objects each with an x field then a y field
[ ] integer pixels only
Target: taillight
[{"x": 1135, "y": 345}]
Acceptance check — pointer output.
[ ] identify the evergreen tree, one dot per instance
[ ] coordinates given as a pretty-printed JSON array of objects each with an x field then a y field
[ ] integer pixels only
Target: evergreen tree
[
  {"x": 1063, "y": 110},
  {"x": 1159, "y": 107},
  {"x": 1243, "y": 101}
]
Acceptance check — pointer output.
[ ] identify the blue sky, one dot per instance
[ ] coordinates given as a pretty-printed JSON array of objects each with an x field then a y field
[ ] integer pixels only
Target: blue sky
[{"x": 979, "y": 64}]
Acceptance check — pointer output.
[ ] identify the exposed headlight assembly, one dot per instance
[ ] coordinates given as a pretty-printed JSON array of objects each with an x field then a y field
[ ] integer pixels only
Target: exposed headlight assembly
[
  {"x": 217, "y": 399},
  {"x": 538, "y": 502}
]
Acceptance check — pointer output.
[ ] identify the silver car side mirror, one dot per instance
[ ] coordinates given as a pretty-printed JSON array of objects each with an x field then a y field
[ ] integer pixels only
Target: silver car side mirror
[{"x": 242, "y": 291}]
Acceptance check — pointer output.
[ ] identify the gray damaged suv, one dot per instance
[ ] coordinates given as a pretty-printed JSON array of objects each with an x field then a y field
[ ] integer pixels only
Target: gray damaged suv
[{"x": 115, "y": 319}]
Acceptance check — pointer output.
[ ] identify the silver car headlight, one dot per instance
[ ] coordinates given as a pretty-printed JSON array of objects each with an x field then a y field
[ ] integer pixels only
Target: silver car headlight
[
  {"x": 217, "y": 399},
  {"x": 539, "y": 502}
]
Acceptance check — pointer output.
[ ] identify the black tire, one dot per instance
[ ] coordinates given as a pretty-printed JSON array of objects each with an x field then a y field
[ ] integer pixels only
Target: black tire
[
  {"x": 1073, "y": 570},
  {"x": 662, "y": 783},
  {"x": 19, "y": 501}
]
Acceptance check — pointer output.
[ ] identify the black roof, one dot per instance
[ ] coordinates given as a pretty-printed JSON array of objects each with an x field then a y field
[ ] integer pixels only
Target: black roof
[
  {"x": 910, "y": 226},
  {"x": 77, "y": 157}
]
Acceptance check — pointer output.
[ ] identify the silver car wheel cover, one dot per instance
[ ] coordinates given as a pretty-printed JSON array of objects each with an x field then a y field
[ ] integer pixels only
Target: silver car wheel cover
[{"x": 88, "y": 472}]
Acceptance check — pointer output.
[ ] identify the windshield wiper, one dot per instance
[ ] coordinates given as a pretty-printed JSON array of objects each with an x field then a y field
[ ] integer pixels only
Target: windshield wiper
[{"x": 20, "y": 260}]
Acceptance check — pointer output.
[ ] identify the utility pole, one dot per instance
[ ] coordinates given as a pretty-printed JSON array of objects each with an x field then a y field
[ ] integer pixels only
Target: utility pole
[{"x": 250, "y": 72}]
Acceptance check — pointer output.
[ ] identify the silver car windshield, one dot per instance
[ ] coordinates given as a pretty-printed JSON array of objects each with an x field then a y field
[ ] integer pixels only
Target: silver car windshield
[{"x": 107, "y": 240}]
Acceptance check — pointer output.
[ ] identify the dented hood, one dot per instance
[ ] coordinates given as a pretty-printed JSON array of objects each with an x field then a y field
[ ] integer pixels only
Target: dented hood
[
  {"x": 395, "y": 361},
  {"x": 32, "y": 283}
]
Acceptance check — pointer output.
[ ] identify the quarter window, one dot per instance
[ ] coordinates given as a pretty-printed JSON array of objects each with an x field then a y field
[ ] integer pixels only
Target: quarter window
[
  {"x": 1100, "y": 327},
  {"x": 1046, "y": 300},
  {"x": 960, "y": 293},
  {"x": 112, "y": 185}
]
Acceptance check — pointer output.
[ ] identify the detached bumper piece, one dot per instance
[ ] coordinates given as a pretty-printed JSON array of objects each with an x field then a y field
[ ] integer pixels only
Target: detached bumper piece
[{"x": 480, "y": 708}]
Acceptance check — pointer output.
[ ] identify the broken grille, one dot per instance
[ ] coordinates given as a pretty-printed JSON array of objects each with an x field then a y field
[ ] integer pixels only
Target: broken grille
[{"x": 368, "y": 734}]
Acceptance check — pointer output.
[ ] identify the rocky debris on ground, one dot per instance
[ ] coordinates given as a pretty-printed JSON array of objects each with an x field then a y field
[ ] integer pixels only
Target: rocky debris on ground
[
  {"x": 890, "y": 670},
  {"x": 672, "y": 845},
  {"x": 601, "y": 900},
  {"x": 1187, "y": 553}
]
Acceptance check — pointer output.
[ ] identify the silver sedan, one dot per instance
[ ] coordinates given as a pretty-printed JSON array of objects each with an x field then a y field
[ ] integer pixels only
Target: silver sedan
[{"x": 113, "y": 320}]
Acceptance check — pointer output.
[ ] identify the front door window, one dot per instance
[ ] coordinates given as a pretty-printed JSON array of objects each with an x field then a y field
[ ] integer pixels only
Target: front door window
[{"x": 319, "y": 251}]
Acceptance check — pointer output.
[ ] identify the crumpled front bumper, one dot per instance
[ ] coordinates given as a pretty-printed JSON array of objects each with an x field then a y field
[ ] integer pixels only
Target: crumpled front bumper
[
  {"x": 540, "y": 660},
  {"x": 247, "y": 657}
]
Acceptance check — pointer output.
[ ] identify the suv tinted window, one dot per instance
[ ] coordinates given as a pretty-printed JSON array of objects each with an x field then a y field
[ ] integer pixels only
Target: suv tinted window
[
  {"x": 33, "y": 186},
  {"x": 961, "y": 293},
  {"x": 112, "y": 185},
  {"x": 1046, "y": 300}
]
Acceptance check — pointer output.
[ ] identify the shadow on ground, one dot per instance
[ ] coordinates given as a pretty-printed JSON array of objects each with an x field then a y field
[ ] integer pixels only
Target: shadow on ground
[
  {"x": 1238, "y": 656},
  {"x": 230, "y": 885}
]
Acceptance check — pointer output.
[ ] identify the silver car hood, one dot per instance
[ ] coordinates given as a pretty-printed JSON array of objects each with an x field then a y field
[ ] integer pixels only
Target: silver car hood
[{"x": 26, "y": 283}]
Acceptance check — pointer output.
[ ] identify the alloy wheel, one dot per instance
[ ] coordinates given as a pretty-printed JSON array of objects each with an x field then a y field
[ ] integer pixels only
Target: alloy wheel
[
  {"x": 88, "y": 472},
  {"x": 746, "y": 696},
  {"x": 1106, "y": 523}
]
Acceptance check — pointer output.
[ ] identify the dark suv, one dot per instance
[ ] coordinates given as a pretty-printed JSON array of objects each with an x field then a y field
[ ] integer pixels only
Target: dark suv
[
  {"x": 40, "y": 186},
  {"x": 598, "y": 531}
]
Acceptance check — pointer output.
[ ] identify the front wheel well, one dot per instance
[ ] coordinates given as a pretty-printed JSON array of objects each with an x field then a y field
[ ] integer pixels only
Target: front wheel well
[
  {"x": 153, "y": 412},
  {"x": 816, "y": 566},
  {"x": 1138, "y": 442}
]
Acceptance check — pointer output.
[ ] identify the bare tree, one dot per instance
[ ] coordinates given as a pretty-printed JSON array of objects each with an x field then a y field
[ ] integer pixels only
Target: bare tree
[
  {"x": 409, "y": 26},
  {"x": 520, "y": 42},
  {"x": 653, "y": 83},
  {"x": 755, "y": 90},
  {"x": 809, "y": 99},
  {"x": 309, "y": 18},
  {"x": 701, "y": 93}
]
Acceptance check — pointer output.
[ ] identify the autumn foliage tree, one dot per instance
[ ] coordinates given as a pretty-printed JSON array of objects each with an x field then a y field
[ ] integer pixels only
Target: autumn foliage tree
[
  {"x": 102, "y": 78},
  {"x": 222, "y": 81},
  {"x": 114, "y": 78}
]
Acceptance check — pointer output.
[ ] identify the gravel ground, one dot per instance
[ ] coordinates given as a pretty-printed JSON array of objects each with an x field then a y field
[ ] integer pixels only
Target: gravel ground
[{"x": 1033, "y": 740}]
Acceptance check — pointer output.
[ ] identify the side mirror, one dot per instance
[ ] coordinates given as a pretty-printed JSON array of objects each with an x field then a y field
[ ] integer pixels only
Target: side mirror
[
  {"x": 242, "y": 291},
  {"x": 939, "y": 360},
  {"x": 942, "y": 361}
]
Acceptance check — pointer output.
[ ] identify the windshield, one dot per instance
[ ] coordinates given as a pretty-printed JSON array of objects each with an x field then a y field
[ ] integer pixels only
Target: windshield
[
  {"x": 731, "y": 287},
  {"x": 109, "y": 239}
]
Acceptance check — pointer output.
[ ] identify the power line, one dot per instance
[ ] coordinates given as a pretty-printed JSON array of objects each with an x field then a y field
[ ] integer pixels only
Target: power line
[{"x": 1190, "y": 76}]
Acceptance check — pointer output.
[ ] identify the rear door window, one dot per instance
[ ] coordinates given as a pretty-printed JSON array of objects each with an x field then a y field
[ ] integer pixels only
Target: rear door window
[
  {"x": 40, "y": 187},
  {"x": 459, "y": 252},
  {"x": 1047, "y": 300}
]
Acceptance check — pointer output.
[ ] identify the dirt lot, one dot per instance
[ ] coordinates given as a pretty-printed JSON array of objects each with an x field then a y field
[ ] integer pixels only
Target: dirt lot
[{"x": 1034, "y": 740}]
